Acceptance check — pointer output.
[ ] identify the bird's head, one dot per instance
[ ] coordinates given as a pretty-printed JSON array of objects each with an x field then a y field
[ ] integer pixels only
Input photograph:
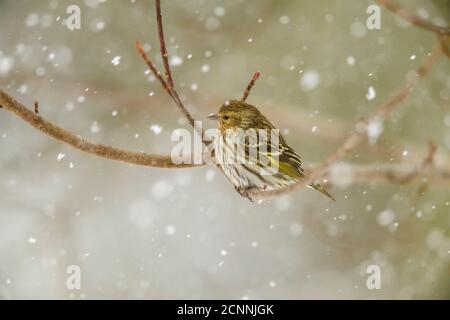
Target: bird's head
[{"x": 235, "y": 115}]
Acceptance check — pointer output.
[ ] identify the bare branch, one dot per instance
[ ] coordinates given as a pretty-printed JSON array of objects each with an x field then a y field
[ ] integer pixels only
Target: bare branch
[
  {"x": 427, "y": 167},
  {"x": 169, "y": 84},
  {"x": 100, "y": 150},
  {"x": 173, "y": 94},
  {"x": 428, "y": 161},
  {"x": 251, "y": 85},
  {"x": 396, "y": 174},
  {"x": 162, "y": 42},
  {"x": 445, "y": 42},
  {"x": 414, "y": 20},
  {"x": 151, "y": 65},
  {"x": 409, "y": 85},
  {"x": 358, "y": 136}
]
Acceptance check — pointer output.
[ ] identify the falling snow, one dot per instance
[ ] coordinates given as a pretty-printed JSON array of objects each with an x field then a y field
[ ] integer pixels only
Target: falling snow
[
  {"x": 375, "y": 129},
  {"x": 95, "y": 128},
  {"x": 156, "y": 129},
  {"x": 310, "y": 80},
  {"x": 60, "y": 157},
  {"x": 176, "y": 61},
  {"x": 371, "y": 93},
  {"x": 386, "y": 217},
  {"x": 116, "y": 61},
  {"x": 145, "y": 232}
]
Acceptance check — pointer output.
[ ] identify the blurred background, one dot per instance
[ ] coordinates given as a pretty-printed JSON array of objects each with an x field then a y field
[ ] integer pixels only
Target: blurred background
[{"x": 145, "y": 233}]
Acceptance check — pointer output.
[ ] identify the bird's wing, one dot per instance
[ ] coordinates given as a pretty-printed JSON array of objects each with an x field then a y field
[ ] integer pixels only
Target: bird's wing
[
  {"x": 290, "y": 162},
  {"x": 274, "y": 152}
]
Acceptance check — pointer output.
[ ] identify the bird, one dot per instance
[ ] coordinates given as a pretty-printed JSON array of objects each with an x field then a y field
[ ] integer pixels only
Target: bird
[{"x": 252, "y": 153}]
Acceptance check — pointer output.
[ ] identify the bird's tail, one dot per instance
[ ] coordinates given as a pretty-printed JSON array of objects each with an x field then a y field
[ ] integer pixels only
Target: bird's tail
[{"x": 321, "y": 189}]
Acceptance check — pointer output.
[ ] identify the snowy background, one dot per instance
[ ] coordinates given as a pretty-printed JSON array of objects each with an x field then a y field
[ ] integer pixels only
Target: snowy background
[{"x": 151, "y": 233}]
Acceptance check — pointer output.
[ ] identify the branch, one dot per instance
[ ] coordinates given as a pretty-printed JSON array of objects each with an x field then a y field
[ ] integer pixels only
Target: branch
[
  {"x": 358, "y": 136},
  {"x": 153, "y": 68},
  {"x": 162, "y": 41},
  {"x": 251, "y": 85},
  {"x": 395, "y": 174},
  {"x": 445, "y": 41},
  {"x": 414, "y": 20},
  {"x": 443, "y": 33},
  {"x": 428, "y": 161},
  {"x": 398, "y": 173},
  {"x": 100, "y": 150},
  {"x": 401, "y": 173},
  {"x": 169, "y": 84}
]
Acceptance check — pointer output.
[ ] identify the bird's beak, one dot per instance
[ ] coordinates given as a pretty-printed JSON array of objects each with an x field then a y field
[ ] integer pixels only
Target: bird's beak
[{"x": 213, "y": 116}]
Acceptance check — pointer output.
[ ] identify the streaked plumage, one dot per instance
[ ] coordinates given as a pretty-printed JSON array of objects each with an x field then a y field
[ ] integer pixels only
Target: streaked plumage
[{"x": 276, "y": 165}]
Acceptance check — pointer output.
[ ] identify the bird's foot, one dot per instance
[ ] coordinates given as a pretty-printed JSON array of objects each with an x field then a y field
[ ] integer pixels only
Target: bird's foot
[{"x": 244, "y": 192}]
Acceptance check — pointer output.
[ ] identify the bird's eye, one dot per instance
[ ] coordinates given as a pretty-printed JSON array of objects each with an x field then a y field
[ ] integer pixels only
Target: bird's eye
[{"x": 226, "y": 117}]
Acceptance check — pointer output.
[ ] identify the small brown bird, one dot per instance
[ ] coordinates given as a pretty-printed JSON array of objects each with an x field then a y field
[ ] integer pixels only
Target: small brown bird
[{"x": 274, "y": 164}]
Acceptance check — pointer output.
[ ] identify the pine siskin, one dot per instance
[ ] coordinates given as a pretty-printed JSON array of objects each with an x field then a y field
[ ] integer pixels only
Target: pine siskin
[{"x": 252, "y": 153}]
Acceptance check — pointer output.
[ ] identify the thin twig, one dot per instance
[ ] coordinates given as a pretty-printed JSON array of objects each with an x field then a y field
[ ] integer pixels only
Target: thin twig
[
  {"x": 82, "y": 144},
  {"x": 398, "y": 173},
  {"x": 171, "y": 92},
  {"x": 426, "y": 168},
  {"x": 358, "y": 136},
  {"x": 168, "y": 84},
  {"x": 395, "y": 175},
  {"x": 151, "y": 65},
  {"x": 414, "y": 20},
  {"x": 250, "y": 86},
  {"x": 428, "y": 161},
  {"x": 445, "y": 42},
  {"x": 409, "y": 85},
  {"x": 162, "y": 41}
]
